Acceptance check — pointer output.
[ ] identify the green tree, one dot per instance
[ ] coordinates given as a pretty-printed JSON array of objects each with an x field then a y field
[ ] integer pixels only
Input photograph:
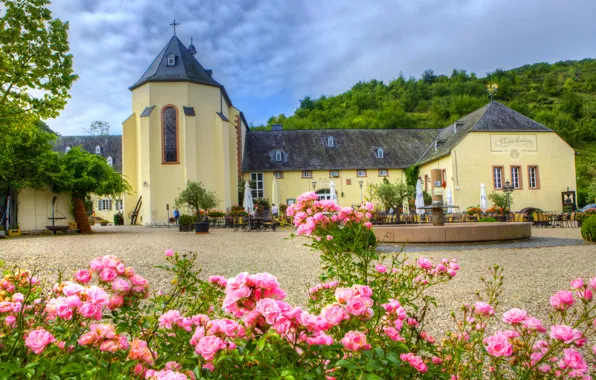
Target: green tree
[
  {"x": 499, "y": 200},
  {"x": 98, "y": 128},
  {"x": 196, "y": 197},
  {"x": 392, "y": 195},
  {"x": 35, "y": 67}
]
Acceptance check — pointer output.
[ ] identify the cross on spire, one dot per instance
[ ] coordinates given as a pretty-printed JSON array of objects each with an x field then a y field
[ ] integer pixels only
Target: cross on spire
[{"x": 174, "y": 25}]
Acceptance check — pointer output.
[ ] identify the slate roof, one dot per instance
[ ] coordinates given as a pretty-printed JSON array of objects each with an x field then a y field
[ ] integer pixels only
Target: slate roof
[
  {"x": 354, "y": 149},
  {"x": 186, "y": 69},
  {"x": 110, "y": 146},
  {"x": 493, "y": 117}
]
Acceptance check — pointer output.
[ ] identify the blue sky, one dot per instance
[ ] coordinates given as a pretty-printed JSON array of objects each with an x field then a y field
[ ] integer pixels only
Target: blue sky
[{"x": 271, "y": 53}]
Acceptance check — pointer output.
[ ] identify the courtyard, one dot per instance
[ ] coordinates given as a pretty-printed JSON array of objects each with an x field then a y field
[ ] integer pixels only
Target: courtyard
[{"x": 534, "y": 269}]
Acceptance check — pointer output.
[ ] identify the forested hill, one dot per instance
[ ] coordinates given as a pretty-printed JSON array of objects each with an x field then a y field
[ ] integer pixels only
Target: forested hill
[{"x": 561, "y": 96}]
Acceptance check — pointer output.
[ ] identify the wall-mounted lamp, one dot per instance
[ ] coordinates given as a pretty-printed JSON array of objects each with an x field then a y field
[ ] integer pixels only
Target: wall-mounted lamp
[
  {"x": 314, "y": 185},
  {"x": 145, "y": 184}
]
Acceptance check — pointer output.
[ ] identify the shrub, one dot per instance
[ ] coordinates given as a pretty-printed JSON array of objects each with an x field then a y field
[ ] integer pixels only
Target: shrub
[
  {"x": 589, "y": 228},
  {"x": 474, "y": 210},
  {"x": 103, "y": 222},
  {"x": 581, "y": 216},
  {"x": 487, "y": 219},
  {"x": 187, "y": 220},
  {"x": 366, "y": 319},
  {"x": 216, "y": 214}
]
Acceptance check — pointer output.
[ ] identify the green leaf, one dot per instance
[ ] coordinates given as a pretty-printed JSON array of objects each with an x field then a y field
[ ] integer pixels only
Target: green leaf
[
  {"x": 374, "y": 365},
  {"x": 346, "y": 364},
  {"x": 372, "y": 376}
]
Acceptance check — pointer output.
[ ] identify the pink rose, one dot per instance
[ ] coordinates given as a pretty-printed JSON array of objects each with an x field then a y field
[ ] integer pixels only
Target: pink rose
[
  {"x": 115, "y": 302},
  {"x": 83, "y": 276},
  {"x": 329, "y": 237},
  {"x": 562, "y": 300},
  {"x": 514, "y": 316},
  {"x": 107, "y": 274},
  {"x": 169, "y": 252},
  {"x": 319, "y": 339},
  {"x": 334, "y": 314},
  {"x": 381, "y": 269},
  {"x": 355, "y": 341},
  {"x": 138, "y": 280},
  {"x": 532, "y": 323},
  {"x": 357, "y": 305},
  {"x": 90, "y": 310},
  {"x": 425, "y": 263},
  {"x": 73, "y": 301},
  {"x": 362, "y": 290},
  {"x": 343, "y": 294},
  {"x": 498, "y": 345},
  {"x": 109, "y": 346},
  {"x": 88, "y": 338},
  {"x": 564, "y": 333},
  {"x": 585, "y": 294},
  {"x": 282, "y": 326},
  {"x": 592, "y": 283},
  {"x": 392, "y": 333},
  {"x": 574, "y": 360},
  {"x": 368, "y": 225},
  {"x": 269, "y": 309},
  {"x": 483, "y": 308},
  {"x": 18, "y": 297},
  {"x": 63, "y": 310},
  {"x": 121, "y": 285},
  {"x": 10, "y": 320},
  {"x": 170, "y": 318},
  {"x": 37, "y": 340},
  {"x": 414, "y": 361},
  {"x": 72, "y": 289},
  {"x": 208, "y": 346},
  {"x": 98, "y": 295},
  {"x": 577, "y": 283}
]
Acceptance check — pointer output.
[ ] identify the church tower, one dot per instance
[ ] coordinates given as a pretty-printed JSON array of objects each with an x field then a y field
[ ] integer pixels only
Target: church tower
[{"x": 183, "y": 127}]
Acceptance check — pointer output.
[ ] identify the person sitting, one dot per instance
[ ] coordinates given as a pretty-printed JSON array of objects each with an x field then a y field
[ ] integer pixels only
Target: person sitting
[{"x": 274, "y": 210}]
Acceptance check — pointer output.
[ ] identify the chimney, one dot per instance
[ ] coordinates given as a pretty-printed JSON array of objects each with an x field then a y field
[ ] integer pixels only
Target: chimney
[
  {"x": 210, "y": 72},
  {"x": 277, "y": 127}
]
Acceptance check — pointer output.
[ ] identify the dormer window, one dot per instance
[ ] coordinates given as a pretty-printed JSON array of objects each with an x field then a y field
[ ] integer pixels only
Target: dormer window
[
  {"x": 97, "y": 149},
  {"x": 171, "y": 60},
  {"x": 278, "y": 156},
  {"x": 380, "y": 153},
  {"x": 330, "y": 142},
  {"x": 67, "y": 149},
  {"x": 110, "y": 161}
]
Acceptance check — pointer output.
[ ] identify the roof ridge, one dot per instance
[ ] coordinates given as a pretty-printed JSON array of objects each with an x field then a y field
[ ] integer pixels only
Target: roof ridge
[{"x": 482, "y": 117}]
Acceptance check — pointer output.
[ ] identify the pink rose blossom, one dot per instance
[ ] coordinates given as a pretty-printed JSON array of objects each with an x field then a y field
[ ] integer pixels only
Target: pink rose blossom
[
  {"x": 585, "y": 294},
  {"x": 355, "y": 341},
  {"x": 393, "y": 333},
  {"x": 564, "y": 333},
  {"x": 88, "y": 338},
  {"x": 357, "y": 305},
  {"x": 97, "y": 295},
  {"x": 334, "y": 314},
  {"x": 514, "y": 316},
  {"x": 577, "y": 283},
  {"x": 381, "y": 269},
  {"x": 83, "y": 276},
  {"x": 269, "y": 309},
  {"x": 498, "y": 345},
  {"x": 121, "y": 285},
  {"x": 18, "y": 297},
  {"x": 170, "y": 318},
  {"x": 483, "y": 308},
  {"x": 319, "y": 339},
  {"x": 368, "y": 225},
  {"x": 532, "y": 323},
  {"x": 414, "y": 361},
  {"x": 90, "y": 310},
  {"x": 592, "y": 283},
  {"x": 37, "y": 340},
  {"x": 115, "y": 302},
  {"x": 208, "y": 346},
  {"x": 425, "y": 263},
  {"x": 574, "y": 360},
  {"x": 108, "y": 274},
  {"x": 562, "y": 300},
  {"x": 343, "y": 294},
  {"x": 109, "y": 346},
  {"x": 329, "y": 237},
  {"x": 169, "y": 252}
]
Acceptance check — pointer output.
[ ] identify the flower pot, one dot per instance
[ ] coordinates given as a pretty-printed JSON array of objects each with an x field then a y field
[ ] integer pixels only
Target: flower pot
[
  {"x": 202, "y": 228},
  {"x": 72, "y": 225},
  {"x": 14, "y": 232},
  {"x": 185, "y": 228}
]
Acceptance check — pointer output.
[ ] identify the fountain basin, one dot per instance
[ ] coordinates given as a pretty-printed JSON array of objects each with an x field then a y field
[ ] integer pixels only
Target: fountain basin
[{"x": 452, "y": 232}]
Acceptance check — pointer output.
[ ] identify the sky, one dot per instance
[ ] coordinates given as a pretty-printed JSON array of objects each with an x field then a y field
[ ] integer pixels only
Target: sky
[{"x": 271, "y": 53}]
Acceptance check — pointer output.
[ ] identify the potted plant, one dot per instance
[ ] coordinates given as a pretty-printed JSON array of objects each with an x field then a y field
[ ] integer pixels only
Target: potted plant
[
  {"x": 14, "y": 230},
  {"x": 186, "y": 223},
  {"x": 198, "y": 199}
]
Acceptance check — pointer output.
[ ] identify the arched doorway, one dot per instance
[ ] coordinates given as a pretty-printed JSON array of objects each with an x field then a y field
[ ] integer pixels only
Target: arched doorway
[{"x": 324, "y": 194}]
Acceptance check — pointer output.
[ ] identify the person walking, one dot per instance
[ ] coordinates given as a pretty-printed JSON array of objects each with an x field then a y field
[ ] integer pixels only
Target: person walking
[
  {"x": 176, "y": 215},
  {"x": 274, "y": 210}
]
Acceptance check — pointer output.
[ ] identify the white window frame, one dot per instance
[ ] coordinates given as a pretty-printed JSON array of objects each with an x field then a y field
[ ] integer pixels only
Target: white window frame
[
  {"x": 171, "y": 60},
  {"x": 330, "y": 142},
  {"x": 334, "y": 174},
  {"x": 119, "y": 205},
  {"x": 110, "y": 160},
  {"x": 104, "y": 205},
  {"x": 97, "y": 149},
  {"x": 67, "y": 149},
  {"x": 498, "y": 177},
  {"x": 324, "y": 194},
  {"x": 278, "y": 155},
  {"x": 515, "y": 182},
  {"x": 278, "y": 174},
  {"x": 361, "y": 173},
  {"x": 258, "y": 181},
  {"x": 533, "y": 177},
  {"x": 380, "y": 153},
  {"x": 307, "y": 174},
  {"x": 383, "y": 173}
]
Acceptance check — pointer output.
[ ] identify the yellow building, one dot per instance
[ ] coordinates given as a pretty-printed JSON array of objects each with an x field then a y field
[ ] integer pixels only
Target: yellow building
[
  {"x": 183, "y": 127},
  {"x": 491, "y": 145}
]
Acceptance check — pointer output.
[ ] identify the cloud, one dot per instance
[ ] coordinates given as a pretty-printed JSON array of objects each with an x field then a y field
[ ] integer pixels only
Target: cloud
[{"x": 271, "y": 53}]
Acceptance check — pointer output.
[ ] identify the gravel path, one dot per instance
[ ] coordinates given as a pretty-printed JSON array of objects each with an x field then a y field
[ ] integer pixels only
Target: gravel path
[{"x": 532, "y": 275}]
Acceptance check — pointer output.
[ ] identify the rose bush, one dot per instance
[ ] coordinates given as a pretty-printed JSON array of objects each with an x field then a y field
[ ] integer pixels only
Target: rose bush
[{"x": 366, "y": 319}]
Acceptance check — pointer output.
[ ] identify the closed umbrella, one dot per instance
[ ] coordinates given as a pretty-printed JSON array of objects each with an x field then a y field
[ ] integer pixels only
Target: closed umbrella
[
  {"x": 248, "y": 203},
  {"x": 419, "y": 198},
  {"x": 275, "y": 192},
  {"x": 483, "y": 199},
  {"x": 449, "y": 200},
  {"x": 333, "y": 193}
]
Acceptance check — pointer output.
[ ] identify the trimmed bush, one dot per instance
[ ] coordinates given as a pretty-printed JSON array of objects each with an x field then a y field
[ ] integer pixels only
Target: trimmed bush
[
  {"x": 487, "y": 219},
  {"x": 187, "y": 220},
  {"x": 589, "y": 229}
]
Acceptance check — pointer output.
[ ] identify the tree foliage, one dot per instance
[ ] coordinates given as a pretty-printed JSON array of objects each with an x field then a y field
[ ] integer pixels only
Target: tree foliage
[
  {"x": 98, "y": 128},
  {"x": 196, "y": 197},
  {"x": 36, "y": 69},
  {"x": 393, "y": 195},
  {"x": 561, "y": 96}
]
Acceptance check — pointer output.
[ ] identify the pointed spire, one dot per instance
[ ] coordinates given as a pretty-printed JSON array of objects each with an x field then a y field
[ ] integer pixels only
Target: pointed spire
[{"x": 191, "y": 48}]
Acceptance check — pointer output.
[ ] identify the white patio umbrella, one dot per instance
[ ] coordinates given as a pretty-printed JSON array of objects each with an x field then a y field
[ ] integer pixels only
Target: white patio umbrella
[
  {"x": 248, "y": 203},
  {"x": 275, "y": 192},
  {"x": 419, "y": 198},
  {"x": 449, "y": 200},
  {"x": 406, "y": 206},
  {"x": 333, "y": 193},
  {"x": 483, "y": 199}
]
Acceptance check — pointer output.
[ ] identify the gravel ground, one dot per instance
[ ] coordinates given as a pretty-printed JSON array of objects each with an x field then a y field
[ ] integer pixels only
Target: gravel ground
[{"x": 532, "y": 275}]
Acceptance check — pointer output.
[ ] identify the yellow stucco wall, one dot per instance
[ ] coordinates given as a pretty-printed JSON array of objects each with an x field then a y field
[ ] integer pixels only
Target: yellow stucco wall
[
  {"x": 292, "y": 185},
  {"x": 35, "y": 207},
  {"x": 206, "y": 149},
  {"x": 471, "y": 163}
]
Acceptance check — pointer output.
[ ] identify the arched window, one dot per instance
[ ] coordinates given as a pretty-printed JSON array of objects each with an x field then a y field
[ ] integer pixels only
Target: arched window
[
  {"x": 67, "y": 149},
  {"x": 110, "y": 161},
  {"x": 278, "y": 155},
  {"x": 97, "y": 149},
  {"x": 170, "y": 134},
  {"x": 330, "y": 142},
  {"x": 380, "y": 153}
]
